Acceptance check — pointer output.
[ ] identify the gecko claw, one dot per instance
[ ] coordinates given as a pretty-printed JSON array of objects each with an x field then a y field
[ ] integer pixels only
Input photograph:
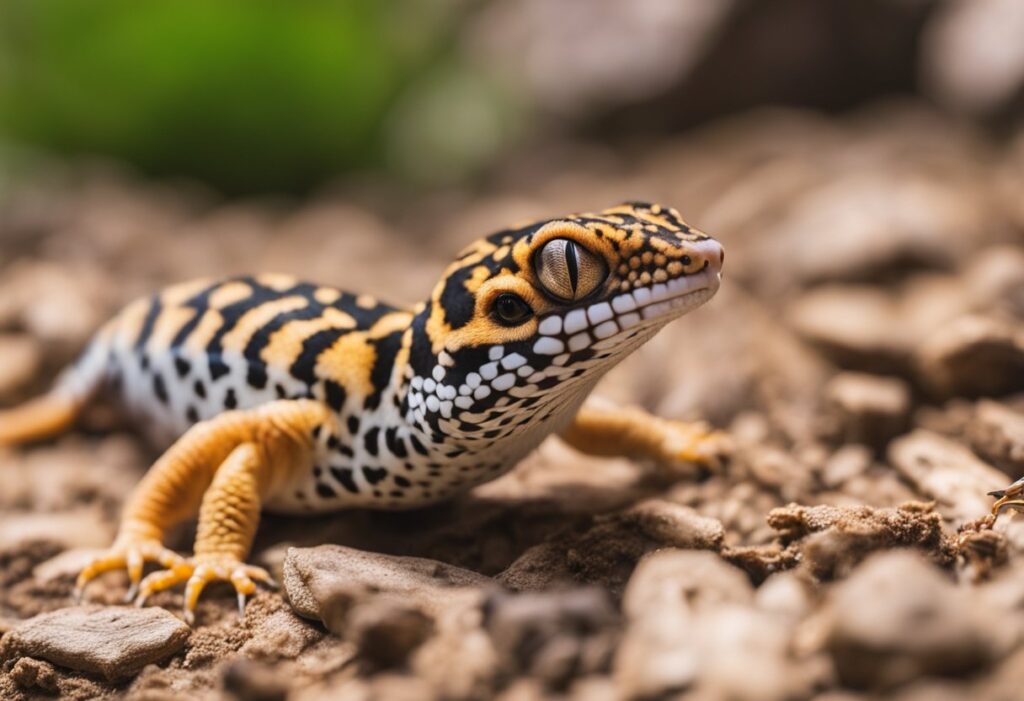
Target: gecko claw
[
  {"x": 241, "y": 607},
  {"x": 132, "y": 593}
]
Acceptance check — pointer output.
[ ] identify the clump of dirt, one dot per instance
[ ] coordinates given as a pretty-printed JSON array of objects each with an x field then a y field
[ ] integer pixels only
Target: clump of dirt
[{"x": 862, "y": 358}]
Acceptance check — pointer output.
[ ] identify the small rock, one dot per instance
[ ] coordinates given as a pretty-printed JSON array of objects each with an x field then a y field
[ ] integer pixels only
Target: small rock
[
  {"x": 996, "y": 433},
  {"x": 313, "y": 576},
  {"x": 541, "y": 567},
  {"x": 658, "y": 654},
  {"x": 553, "y": 636},
  {"x": 676, "y": 525},
  {"x": 897, "y": 618},
  {"x": 848, "y": 462},
  {"x": 245, "y": 680},
  {"x": 744, "y": 655},
  {"x": 856, "y": 326},
  {"x": 834, "y": 539},
  {"x": 868, "y": 409},
  {"x": 386, "y": 632},
  {"x": 34, "y": 674},
  {"x": 947, "y": 472},
  {"x": 973, "y": 356},
  {"x": 785, "y": 594},
  {"x": 114, "y": 642},
  {"x": 691, "y": 578}
]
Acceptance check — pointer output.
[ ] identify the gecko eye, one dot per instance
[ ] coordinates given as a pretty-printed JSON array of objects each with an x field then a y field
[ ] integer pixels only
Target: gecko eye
[
  {"x": 511, "y": 310},
  {"x": 568, "y": 271}
]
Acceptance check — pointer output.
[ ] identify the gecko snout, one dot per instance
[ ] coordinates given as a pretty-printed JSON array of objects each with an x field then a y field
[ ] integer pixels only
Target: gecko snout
[{"x": 706, "y": 254}]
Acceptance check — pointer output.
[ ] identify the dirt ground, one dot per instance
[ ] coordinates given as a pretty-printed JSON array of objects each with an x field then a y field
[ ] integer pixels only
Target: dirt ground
[{"x": 866, "y": 353}]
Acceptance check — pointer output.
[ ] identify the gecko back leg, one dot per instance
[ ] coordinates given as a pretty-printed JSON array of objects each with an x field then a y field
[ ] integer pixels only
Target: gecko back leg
[{"x": 223, "y": 469}]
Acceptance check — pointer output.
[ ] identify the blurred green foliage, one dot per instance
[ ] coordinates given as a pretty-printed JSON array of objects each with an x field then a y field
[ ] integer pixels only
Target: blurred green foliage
[{"x": 248, "y": 95}]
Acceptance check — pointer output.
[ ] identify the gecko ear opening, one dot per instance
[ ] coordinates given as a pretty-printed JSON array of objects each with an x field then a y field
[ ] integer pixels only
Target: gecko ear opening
[{"x": 568, "y": 271}]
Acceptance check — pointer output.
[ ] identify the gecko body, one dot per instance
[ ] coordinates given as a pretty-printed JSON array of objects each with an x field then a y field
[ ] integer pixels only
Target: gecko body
[{"x": 300, "y": 398}]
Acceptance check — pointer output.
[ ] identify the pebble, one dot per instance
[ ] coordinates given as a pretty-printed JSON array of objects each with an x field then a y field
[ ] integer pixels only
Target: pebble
[
  {"x": 996, "y": 433},
  {"x": 898, "y": 617},
  {"x": 658, "y": 654},
  {"x": 855, "y": 326},
  {"x": 387, "y": 632},
  {"x": 973, "y": 356},
  {"x": 113, "y": 642},
  {"x": 868, "y": 409},
  {"x": 834, "y": 539},
  {"x": 553, "y": 636},
  {"x": 343, "y": 576},
  {"x": 676, "y": 525}
]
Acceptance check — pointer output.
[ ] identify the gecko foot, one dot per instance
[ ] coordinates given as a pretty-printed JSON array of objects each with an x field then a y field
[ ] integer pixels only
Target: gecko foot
[
  {"x": 695, "y": 443},
  {"x": 128, "y": 553},
  {"x": 197, "y": 572}
]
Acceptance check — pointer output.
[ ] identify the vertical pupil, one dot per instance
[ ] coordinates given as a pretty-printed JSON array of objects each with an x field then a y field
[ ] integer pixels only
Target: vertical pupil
[{"x": 572, "y": 264}]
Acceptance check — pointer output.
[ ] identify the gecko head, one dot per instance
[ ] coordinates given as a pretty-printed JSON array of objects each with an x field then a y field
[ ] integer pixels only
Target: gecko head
[{"x": 529, "y": 318}]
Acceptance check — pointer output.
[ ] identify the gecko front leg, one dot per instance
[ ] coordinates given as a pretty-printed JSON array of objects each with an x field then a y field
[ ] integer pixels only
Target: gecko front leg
[
  {"x": 604, "y": 429},
  {"x": 223, "y": 469}
]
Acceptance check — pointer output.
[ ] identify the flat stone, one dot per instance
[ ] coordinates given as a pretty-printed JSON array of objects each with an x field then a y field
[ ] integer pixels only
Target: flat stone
[
  {"x": 315, "y": 576},
  {"x": 868, "y": 409},
  {"x": 947, "y": 472},
  {"x": 854, "y": 325},
  {"x": 973, "y": 356},
  {"x": 113, "y": 642},
  {"x": 996, "y": 432}
]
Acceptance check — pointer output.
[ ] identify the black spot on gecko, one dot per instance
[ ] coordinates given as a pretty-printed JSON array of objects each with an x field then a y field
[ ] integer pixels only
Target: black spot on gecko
[
  {"x": 370, "y": 440},
  {"x": 374, "y": 475},
  {"x": 335, "y": 395},
  {"x": 345, "y": 478},
  {"x": 417, "y": 445},
  {"x": 353, "y": 425},
  {"x": 325, "y": 491},
  {"x": 395, "y": 444},
  {"x": 182, "y": 366},
  {"x": 218, "y": 368},
  {"x": 200, "y": 389},
  {"x": 280, "y": 391},
  {"x": 402, "y": 481},
  {"x": 230, "y": 400},
  {"x": 192, "y": 415},
  {"x": 256, "y": 376},
  {"x": 159, "y": 388}
]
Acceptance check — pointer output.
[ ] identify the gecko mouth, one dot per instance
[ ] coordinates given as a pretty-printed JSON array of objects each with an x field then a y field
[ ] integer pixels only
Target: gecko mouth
[{"x": 642, "y": 307}]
